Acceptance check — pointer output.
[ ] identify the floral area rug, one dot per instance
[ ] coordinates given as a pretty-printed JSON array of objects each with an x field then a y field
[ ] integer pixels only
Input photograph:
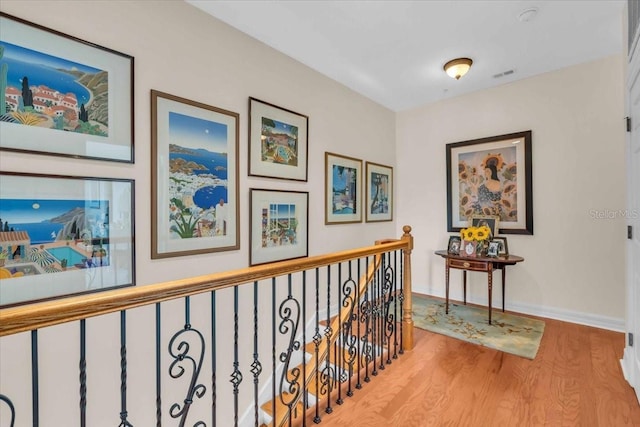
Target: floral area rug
[{"x": 509, "y": 333}]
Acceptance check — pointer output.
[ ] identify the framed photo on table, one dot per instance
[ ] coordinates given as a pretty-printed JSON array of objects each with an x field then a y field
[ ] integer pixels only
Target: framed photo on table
[
  {"x": 491, "y": 221},
  {"x": 194, "y": 177},
  {"x": 64, "y": 96},
  {"x": 63, "y": 236},
  {"x": 279, "y": 225},
  {"x": 454, "y": 245},
  {"x": 343, "y": 187},
  {"x": 491, "y": 176},
  {"x": 379, "y": 191},
  {"x": 278, "y": 141},
  {"x": 503, "y": 248}
]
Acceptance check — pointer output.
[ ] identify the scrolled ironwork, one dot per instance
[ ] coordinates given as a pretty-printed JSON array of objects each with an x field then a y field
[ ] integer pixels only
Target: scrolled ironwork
[
  {"x": 290, "y": 386},
  {"x": 179, "y": 349},
  {"x": 12, "y": 409}
]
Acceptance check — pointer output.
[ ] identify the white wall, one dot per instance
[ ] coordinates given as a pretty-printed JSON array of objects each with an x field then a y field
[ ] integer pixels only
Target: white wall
[
  {"x": 180, "y": 50},
  {"x": 574, "y": 264}
]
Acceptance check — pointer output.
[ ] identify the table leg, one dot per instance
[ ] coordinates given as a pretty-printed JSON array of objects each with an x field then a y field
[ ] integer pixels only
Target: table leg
[
  {"x": 464, "y": 286},
  {"x": 504, "y": 274},
  {"x": 446, "y": 292},
  {"x": 490, "y": 286}
]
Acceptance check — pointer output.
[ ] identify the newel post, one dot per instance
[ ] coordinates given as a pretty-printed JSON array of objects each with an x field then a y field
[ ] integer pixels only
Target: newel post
[{"x": 407, "y": 304}]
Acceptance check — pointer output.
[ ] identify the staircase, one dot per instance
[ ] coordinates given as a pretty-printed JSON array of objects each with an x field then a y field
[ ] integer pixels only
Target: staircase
[{"x": 362, "y": 337}]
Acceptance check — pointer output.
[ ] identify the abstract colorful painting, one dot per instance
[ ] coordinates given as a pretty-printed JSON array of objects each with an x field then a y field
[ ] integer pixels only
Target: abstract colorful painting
[
  {"x": 379, "y": 179},
  {"x": 343, "y": 184}
]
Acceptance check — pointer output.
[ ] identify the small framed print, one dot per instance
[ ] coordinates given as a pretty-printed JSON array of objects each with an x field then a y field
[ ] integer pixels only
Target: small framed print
[
  {"x": 468, "y": 248},
  {"x": 454, "y": 245},
  {"x": 503, "y": 248},
  {"x": 379, "y": 180},
  {"x": 279, "y": 225},
  {"x": 490, "y": 221},
  {"x": 278, "y": 141},
  {"x": 343, "y": 186},
  {"x": 492, "y": 250}
]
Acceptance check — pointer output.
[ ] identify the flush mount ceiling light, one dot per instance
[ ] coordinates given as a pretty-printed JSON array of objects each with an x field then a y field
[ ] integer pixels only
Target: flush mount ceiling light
[{"x": 458, "y": 67}]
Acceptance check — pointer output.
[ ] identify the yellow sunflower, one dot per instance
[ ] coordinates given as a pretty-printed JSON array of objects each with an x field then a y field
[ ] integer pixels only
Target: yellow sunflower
[
  {"x": 468, "y": 233},
  {"x": 483, "y": 233}
]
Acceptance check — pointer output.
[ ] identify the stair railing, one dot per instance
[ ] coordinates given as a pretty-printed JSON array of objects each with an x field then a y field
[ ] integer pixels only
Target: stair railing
[{"x": 153, "y": 355}]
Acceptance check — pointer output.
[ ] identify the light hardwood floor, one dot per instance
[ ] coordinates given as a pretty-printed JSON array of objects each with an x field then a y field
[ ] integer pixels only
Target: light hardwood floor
[{"x": 575, "y": 380}]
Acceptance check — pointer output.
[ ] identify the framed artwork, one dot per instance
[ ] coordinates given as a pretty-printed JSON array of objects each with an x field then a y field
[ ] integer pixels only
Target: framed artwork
[
  {"x": 279, "y": 225},
  {"x": 343, "y": 184},
  {"x": 494, "y": 247},
  {"x": 503, "y": 248},
  {"x": 278, "y": 141},
  {"x": 379, "y": 191},
  {"x": 63, "y": 96},
  {"x": 490, "y": 221},
  {"x": 491, "y": 176},
  {"x": 454, "y": 245},
  {"x": 64, "y": 235},
  {"x": 194, "y": 177}
]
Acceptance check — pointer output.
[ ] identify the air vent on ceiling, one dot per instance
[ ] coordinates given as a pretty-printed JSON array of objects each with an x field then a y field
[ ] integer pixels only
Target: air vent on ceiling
[{"x": 504, "y": 73}]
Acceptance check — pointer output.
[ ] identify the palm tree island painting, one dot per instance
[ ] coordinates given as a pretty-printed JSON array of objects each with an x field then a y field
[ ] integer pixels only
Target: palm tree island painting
[
  {"x": 52, "y": 236},
  {"x": 37, "y": 89}
]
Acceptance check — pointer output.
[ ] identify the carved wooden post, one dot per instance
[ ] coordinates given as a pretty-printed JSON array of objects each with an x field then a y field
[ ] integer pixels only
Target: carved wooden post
[{"x": 407, "y": 304}]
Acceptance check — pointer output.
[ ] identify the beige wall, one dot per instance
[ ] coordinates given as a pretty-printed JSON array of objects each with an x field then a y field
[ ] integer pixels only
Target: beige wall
[
  {"x": 180, "y": 50},
  {"x": 574, "y": 263}
]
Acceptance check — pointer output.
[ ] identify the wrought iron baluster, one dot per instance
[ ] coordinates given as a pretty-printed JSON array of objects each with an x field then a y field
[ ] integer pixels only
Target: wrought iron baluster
[
  {"x": 273, "y": 347},
  {"x": 35, "y": 388},
  {"x": 365, "y": 317},
  {"x": 338, "y": 342},
  {"x": 328, "y": 373},
  {"x": 317, "y": 340},
  {"x": 236, "y": 376},
  {"x": 349, "y": 340},
  {"x": 158, "y": 367},
  {"x": 124, "y": 422},
  {"x": 83, "y": 373},
  {"x": 256, "y": 367},
  {"x": 358, "y": 332},
  {"x": 375, "y": 309},
  {"x": 214, "y": 361},
  {"x": 388, "y": 300},
  {"x": 289, "y": 314},
  {"x": 401, "y": 299},
  {"x": 179, "y": 348},
  {"x": 395, "y": 305},
  {"x": 305, "y": 398},
  {"x": 12, "y": 409}
]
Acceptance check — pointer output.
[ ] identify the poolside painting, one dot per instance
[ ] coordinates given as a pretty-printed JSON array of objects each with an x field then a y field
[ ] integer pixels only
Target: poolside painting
[
  {"x": 51, "y": 92},
  {"x": 279, "y": 142},
  {"x": 197, "y": 198},
  {"x": 51, "y": 236}
]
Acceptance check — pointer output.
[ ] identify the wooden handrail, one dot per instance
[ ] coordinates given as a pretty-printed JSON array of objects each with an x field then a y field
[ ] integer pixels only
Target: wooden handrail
[{"x": 35, "y": 316}]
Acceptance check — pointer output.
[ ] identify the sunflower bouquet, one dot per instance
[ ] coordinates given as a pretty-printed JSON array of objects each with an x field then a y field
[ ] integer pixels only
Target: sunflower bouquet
[{"x": 481, "y": 235}]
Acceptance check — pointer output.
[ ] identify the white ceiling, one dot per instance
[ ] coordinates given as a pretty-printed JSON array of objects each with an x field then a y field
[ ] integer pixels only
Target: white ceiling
[{"x": 393, "y": 51}]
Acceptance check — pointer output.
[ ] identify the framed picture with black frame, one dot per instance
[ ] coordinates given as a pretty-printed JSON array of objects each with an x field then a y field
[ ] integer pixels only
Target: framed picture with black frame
[
  {"x": 64, "y": 235},
  {"x": 64, "y": 96},
  {"x": 491, "y": 176},
  {"x": 278, "y": 141}
]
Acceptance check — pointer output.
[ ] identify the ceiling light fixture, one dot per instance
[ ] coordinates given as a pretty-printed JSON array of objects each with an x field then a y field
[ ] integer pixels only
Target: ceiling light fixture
[{"x": 458, "y": 67}]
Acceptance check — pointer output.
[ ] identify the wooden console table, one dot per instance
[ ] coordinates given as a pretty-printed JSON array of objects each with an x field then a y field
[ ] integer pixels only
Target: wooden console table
[{"x": 482, "y": 264}]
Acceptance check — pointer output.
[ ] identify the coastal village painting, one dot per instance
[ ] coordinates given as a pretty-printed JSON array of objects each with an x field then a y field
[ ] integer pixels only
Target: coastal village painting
[
  {"x": 37, "y": 89},
  {"x": 52, "y": 236},
  {"x": 197, "y": 195},
  {"x": 279, "y": 142}
]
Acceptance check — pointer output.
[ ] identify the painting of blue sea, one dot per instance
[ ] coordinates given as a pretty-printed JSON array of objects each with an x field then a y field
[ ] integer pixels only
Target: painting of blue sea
[
  {"x": 51, "y": 236},
  {"x": 198, "y": 165},
  {"x": 54, "y": 93}
]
